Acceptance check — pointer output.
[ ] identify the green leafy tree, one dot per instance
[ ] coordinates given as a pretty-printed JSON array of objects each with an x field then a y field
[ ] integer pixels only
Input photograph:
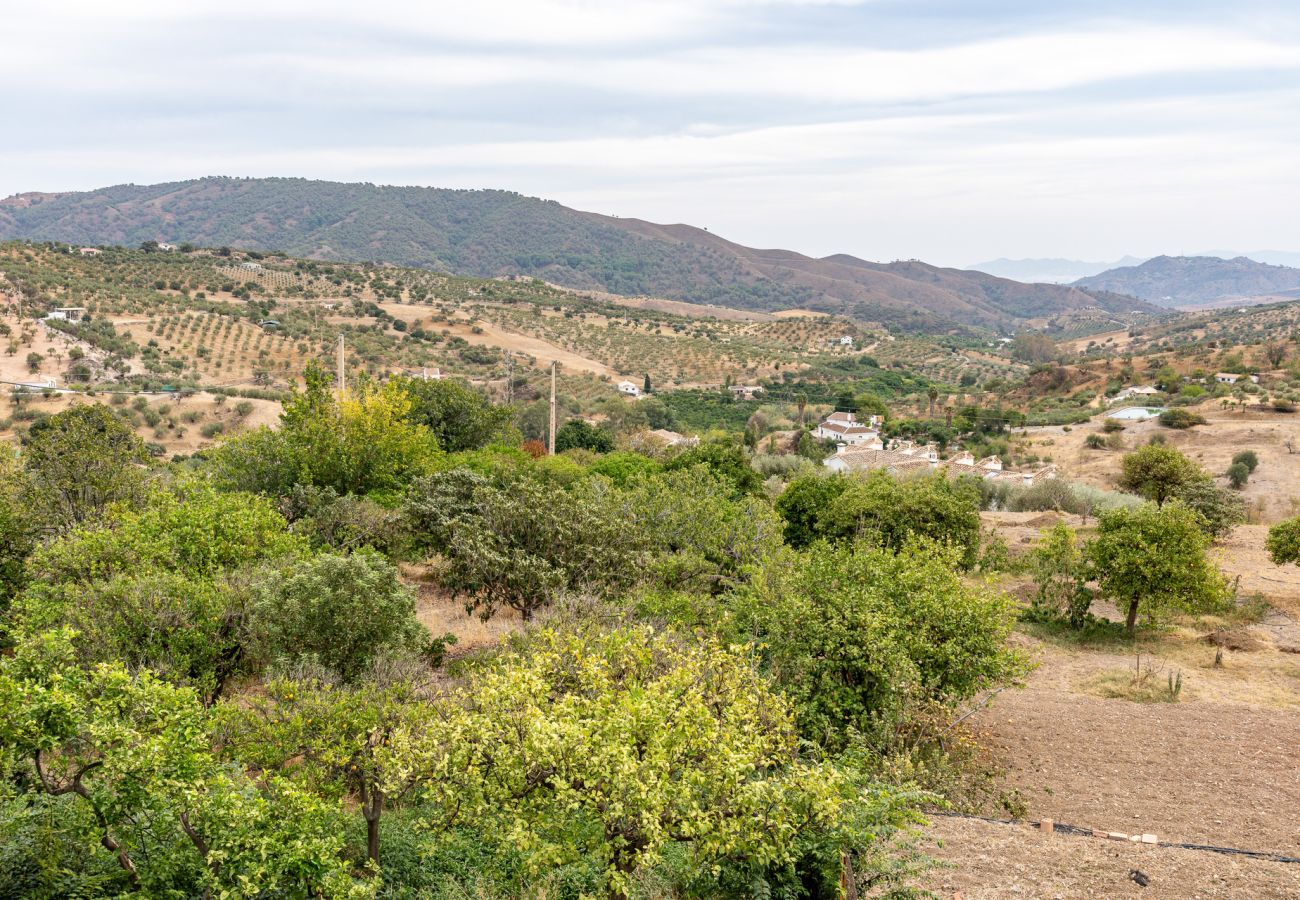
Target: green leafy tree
[
  {"x": 189, "y": 631},
  {"x": 1248, "y": 458},
  {"x": 1220, "y": 510},
  {"x": 520, "y": 541},
  {"x": 362, "y": 443},
  {"x": 891, "y": 511},
  {"x": 857, "y": 636},
  {"x": 803, "y": 506},
  {"x": 1157, "y": 472},
  {"x": 334, "y": 741},
  {"x": 342, "y": 612},
  {"x": 130, "y": 752},
  {"x": 620, "y": 467},
  {"x": 1057, "y": 565},
  {"x": 1284, "y": 542},
  {"x": 700, "y": 535},
  {"x": 1154, "y": 559},
  {"x": 577, "y": 434},
  {"x": 1238, "y": 474},
  {"x": 459, "y": 417},
  {"x": 622, "y": 744},
  {"x": 1179, "y": 418},
  {"x": 192, "y": 530},
  {"x": 727, "y": 463},
  {"x": 77, "y": 463}
]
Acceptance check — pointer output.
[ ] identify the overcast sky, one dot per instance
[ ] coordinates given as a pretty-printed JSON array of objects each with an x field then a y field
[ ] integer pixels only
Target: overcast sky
[{"x": 950, "y": 131}]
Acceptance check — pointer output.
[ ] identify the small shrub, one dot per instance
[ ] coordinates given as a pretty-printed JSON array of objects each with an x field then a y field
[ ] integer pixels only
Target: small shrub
[
  {"x": 1180, "y": 418},
  {"x": 1238, "y": 474}
]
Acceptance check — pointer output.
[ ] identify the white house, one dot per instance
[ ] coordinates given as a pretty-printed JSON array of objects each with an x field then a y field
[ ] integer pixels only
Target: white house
[
  {"x": 165, "y": 247},
  {"x": 89, "y": 251},
  {"x": 909, "y": 457},
  {"x": 846, "y": 429},
  {"x": 746, "y": 391},
  {"x": 1228, "y": 378},
  {"x": 629, "y": 388},
  {"x": 846, "y": 341},
  {"x": 250, "y": 266}
]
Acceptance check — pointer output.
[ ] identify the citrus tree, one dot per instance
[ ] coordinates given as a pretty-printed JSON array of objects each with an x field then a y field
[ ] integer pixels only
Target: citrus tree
[{"x": 1154, "y": 559}]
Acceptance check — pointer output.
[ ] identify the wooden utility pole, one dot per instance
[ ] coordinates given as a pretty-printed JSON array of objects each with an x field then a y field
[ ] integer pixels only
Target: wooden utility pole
[
  {"x": 342, "y": 375},
  {"x": 552, "y": 443}
]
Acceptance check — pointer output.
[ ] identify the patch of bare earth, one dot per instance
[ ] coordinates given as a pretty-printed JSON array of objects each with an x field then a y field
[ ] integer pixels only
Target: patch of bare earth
[
  {"x": 439, "y": 612},
  {"x": 996, "y": 861},
  {"x": 1221, "y": 766}
]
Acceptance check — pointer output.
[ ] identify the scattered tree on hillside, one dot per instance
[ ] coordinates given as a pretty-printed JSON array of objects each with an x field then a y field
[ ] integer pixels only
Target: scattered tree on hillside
[
  {"x": 1157, "y": 472},
  {"x": 1154, "y": 558}
]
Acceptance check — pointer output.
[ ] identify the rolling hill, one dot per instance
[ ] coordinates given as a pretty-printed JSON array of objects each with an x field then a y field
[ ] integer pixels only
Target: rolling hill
[
  {"x": 1197, "y": 280},
  {"x": 493, "y": 233}
]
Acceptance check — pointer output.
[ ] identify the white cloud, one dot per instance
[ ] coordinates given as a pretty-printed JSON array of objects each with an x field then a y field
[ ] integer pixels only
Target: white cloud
[{"x": 777, "y": 122}]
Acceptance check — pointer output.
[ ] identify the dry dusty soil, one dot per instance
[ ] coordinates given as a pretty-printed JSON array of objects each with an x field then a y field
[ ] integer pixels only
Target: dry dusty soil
[{"x": 1221, "y": 766}]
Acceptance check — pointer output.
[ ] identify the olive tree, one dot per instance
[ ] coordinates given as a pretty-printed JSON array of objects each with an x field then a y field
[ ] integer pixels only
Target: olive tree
[{"x": 520, "y": 541}]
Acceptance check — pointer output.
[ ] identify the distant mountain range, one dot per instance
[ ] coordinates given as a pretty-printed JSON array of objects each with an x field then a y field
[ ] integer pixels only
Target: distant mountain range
[
  {"x": 492, "y": 233},
  {"x": 1188, "y": 281},
  {"x": 1048, "y": 270}
]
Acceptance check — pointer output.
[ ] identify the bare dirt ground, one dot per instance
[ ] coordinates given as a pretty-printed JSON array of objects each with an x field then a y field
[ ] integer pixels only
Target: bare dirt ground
[
  {"x": 441, "y": 614},
  {"x": 996, "y": 861},
  {"x": 1273, "y": 492},
  {"x": 1221, "y": 766},
  {"x": 491, "y": 335}
]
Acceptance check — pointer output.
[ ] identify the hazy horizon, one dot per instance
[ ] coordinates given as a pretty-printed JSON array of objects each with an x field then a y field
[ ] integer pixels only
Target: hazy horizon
[{"x": 954, "y": 132}]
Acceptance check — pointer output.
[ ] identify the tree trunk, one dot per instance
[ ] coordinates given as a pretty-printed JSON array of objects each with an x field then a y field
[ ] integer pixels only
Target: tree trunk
[
  {"x": 372, "y": 810},
  {"x": 1130, "y": 624}
]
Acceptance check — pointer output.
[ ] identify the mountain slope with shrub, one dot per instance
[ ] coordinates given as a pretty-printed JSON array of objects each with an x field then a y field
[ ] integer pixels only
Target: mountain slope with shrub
[{"x": 499, "y": 233}]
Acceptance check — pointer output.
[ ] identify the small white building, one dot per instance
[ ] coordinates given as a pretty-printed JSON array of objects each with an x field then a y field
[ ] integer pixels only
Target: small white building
[
  {"x": 846, "y": 340},
  {"x": 165, "y": 247},
  {"x": 250, "y": 266},
  {"x": 89, "y": 251},
  {"x": 1228, "y": 377},
  {"x": 629, "y": 388},
  {"x": 746, "y": 391},
  {"x": 67, "y": 313},
  {"x": 1145, "y": 390}
]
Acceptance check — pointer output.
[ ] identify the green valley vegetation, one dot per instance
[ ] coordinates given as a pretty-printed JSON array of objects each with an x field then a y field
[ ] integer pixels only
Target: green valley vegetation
[{"x": 219, "y": 683}]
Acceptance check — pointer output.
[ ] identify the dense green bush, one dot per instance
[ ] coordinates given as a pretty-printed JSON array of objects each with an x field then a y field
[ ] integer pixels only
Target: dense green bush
[
  {"x": 859, "y": 637},
  {"x": 891, "y": 511},
  {"x": 340, "y": 612}
]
